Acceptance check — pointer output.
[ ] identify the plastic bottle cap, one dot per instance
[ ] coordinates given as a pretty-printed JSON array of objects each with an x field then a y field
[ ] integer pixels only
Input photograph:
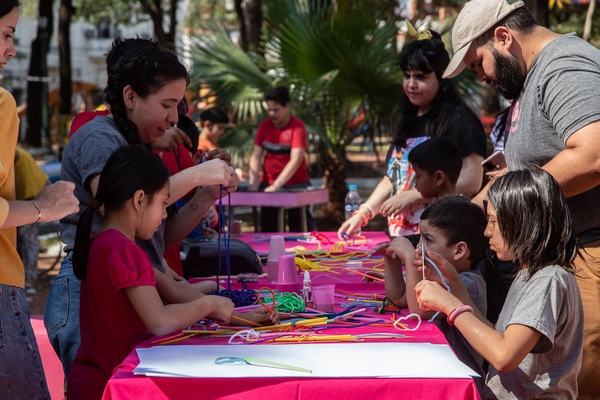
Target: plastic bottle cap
[
  {"x": 306, "y": 276},
  {"x": 352, "y": 187}
]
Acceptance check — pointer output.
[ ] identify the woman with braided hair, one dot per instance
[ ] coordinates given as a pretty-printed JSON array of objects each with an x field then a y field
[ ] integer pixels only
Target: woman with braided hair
[{"x": 143, "y": 91}]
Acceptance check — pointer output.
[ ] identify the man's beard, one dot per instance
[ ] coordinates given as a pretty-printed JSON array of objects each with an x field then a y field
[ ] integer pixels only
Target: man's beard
[{"x": 509, "y": 78}]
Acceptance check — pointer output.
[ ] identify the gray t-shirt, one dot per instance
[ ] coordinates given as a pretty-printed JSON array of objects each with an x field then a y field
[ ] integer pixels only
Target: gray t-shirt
[
  {"x": 560, "y": 96},
  {"x": 550, "y": 303},
  {"x": 475, "y": 285},
  {"x": 84, "y": 156}
]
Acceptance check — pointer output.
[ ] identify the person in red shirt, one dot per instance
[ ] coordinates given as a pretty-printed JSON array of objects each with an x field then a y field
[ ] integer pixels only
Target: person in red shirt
[{"x": 284, "y": 139}]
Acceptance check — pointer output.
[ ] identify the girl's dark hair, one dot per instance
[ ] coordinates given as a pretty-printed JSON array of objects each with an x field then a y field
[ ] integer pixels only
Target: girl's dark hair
[
  {"x": 534, "y": 220},
  {"x": 6, "y": 6},
  {"x": 427, "y": 56},
  {"x": 461, "y": 221},
  {"x": 146, "y": 70},
  {"x": 127, "y": 170}
]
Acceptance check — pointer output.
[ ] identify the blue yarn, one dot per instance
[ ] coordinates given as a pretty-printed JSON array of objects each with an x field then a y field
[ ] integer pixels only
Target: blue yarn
[
  {"x": 240, "y": 298},
  {"x": 443, "y": 282}
]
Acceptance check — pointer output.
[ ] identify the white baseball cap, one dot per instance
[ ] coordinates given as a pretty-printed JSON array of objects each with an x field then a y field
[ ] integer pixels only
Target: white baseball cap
[{"x": 476, "y": 17}]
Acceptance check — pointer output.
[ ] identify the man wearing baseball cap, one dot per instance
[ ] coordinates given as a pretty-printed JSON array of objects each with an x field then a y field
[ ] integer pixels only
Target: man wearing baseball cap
[{"x": 554, "y": 122}]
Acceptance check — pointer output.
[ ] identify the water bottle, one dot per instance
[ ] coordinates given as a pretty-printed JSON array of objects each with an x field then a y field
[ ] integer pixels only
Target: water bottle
[{"x": 352, "y": 203}]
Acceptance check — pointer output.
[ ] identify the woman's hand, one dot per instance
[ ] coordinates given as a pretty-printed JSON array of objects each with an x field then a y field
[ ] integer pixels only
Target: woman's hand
[
  {"x": 399, "y": 202},
  {"x": 217, "y": 172},
  {"x": 218, "y": 154},
  {"x": 57, "y": 201},
  {"x": 171, "y": 140},
  {"x": 350, "y": 225}
]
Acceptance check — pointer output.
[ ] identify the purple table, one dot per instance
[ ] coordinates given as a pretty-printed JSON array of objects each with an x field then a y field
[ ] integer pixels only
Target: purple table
[{"x": 280, "y": 200}]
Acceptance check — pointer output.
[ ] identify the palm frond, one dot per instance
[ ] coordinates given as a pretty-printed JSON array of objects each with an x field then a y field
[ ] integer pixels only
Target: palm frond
[{"x": 229, "y": 71}]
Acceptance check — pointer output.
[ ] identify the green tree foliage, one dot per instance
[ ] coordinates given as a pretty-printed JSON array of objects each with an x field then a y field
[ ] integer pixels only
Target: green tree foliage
[
  {"x": 571, "y": 18},
  {"x": 201, "y": 12},
  {"x": 339, "y": 61},
  {"x": 162, "y": 13}
]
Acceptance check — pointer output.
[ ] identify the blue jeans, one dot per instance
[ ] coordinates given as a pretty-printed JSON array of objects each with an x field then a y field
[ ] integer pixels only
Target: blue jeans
[
  {"x": 61, "y": 315},
  {"x": 21, "y": 371}
]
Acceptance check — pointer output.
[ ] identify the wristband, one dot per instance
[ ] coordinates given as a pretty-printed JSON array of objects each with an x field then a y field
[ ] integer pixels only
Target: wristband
[
  {"x": 38, "y": 211},
  {"x": 364, "y": 218},
  {"x": 368, "y": 207},
  {"x": 456, "y": 312}
]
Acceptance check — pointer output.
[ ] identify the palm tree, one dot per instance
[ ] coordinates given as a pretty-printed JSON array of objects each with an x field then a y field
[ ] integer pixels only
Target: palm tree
[{"x": 339, "y": 61}]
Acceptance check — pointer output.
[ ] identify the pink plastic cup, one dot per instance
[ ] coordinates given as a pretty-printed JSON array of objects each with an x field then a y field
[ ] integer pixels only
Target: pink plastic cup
[
  {"x": 276, "y": 250},
  {"x": 323, "y": 296},
  {"x": 287, "y": 280},
  {"x": 287, "y": 270},
  {"x": 353, "y": 266}
]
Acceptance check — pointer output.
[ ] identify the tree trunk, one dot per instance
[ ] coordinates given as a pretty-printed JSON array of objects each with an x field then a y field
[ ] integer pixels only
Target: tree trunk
[
  {"x": 587, "y": 27},
  {"x": 165, "y": 38},
  {"x": 66, "y": 90},
  {"x": 241, "y": 20},
  {"x": 255, "y": 21},
  {"x": 37, "y": 87}
]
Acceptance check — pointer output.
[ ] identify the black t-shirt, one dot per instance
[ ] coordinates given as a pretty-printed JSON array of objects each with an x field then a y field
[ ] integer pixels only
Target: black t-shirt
[{"x": 465, "y": 129}]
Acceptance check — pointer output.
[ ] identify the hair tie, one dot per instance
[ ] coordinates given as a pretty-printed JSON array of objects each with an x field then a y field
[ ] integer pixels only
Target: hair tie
[
  {"x": 95, "y": 204},
  {"x": 413, "y": 33}
]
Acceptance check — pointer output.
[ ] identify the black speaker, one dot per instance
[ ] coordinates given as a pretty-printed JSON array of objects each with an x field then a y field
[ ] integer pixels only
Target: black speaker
[{"x": 200, "y": 257}]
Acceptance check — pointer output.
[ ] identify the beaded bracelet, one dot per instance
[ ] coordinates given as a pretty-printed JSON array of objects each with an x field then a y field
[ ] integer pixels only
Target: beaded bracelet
[
  {"x": 38, "y": 210},
  {"x": 456, "y": 312}
]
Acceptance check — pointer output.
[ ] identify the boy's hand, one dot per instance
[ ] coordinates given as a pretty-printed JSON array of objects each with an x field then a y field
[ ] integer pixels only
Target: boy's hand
[
  {"x": 261, "y": 315},
  {"x": 374, "y": 274},
  {"x": 380, "y": 249},
  {"x": 401, "y": 248}
]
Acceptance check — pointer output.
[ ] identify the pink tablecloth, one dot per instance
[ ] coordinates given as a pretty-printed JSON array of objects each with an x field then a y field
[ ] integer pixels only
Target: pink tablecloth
[{"x": 124, "y": 385}]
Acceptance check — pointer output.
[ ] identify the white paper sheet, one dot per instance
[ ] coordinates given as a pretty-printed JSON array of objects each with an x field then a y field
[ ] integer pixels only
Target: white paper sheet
[{"x": 383, "y": 360}]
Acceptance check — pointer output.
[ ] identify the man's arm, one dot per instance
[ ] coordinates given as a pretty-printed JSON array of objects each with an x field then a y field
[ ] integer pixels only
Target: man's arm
[
  {"x": 471, "y": 175},
  {"x": 577, "y": 168},
  {"x": 297, "y": 155}
]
